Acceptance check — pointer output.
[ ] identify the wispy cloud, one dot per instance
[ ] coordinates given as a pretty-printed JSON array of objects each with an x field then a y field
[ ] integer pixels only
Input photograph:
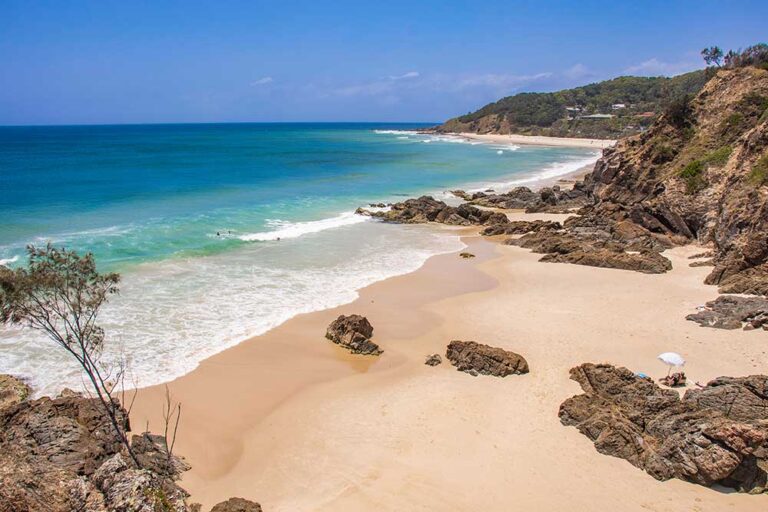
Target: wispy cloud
[
  {"x": 262, "y": 81},
  {"x": 410, "y": 74},
  {"x": 656, "y": 67},
  {"x": 578, "y": 71}
]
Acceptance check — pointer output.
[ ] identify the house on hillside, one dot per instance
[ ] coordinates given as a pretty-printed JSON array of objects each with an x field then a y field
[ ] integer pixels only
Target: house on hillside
[
  {"x": 598, "y": 116},
  {"x": 618, "y": 106}
]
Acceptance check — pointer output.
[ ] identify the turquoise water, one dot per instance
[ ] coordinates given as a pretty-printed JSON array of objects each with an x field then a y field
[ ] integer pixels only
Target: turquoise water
[{"x": 224, "y": 231}]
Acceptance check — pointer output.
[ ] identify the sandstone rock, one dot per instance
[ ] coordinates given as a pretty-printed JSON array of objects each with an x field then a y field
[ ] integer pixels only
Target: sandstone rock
[
  {"x": 466, "y": 255},
  {"x": 646, "y": 262},
  {"x": 12, "y": 391},
  {"x": 733, "y": 312},
  {"x": 353, "y": 332},
  {"x": 433, "y": 360},
  {"x": 237, "y": 505},
  {"x": 521, "y": 227},
  {"x": 714, "y": 435},
  {"x": 469, "y": 356}
]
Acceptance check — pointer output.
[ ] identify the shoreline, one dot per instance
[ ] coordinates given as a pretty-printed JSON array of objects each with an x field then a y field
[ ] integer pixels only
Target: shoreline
[
  {"x": 295, "y": 422},
  {"x": 538, "y": 140}
]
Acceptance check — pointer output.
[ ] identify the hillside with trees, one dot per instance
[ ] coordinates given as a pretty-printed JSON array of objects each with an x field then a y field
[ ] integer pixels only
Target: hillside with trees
[{"x": 610, "y": 109}]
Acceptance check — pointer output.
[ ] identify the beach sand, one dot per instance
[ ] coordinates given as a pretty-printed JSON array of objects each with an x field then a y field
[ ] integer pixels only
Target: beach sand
[
  {"x": 294, "y": 422},
  {"x": 538, "y": 140}
]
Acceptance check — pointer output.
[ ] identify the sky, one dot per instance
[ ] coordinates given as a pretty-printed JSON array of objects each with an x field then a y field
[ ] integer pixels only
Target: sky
[{"x": 105, "y": 62}]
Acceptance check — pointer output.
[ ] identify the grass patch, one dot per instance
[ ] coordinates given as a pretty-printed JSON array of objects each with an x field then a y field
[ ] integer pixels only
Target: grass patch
[
  {"x": 759, "y": 174},
  {"x": 693, "y": 176},
  {"x": 719, "y": 157}
]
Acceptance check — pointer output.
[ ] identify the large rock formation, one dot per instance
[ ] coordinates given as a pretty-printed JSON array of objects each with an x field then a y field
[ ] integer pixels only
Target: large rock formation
[
  {"x": 62, "y": 455},
  {"x": 714, "y": 435},
  {"x": 475, "y": 358},
  {"x": 548, "y": 199},
  {"x": 427, "y": 209},
  {"x": 700, "y": 173},
  {"x": 353, "y": 332},
  {"x": 733, "y": 312}
]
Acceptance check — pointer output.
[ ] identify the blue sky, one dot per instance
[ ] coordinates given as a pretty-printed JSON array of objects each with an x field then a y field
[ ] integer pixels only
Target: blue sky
[{"x": 74, "y": 62}]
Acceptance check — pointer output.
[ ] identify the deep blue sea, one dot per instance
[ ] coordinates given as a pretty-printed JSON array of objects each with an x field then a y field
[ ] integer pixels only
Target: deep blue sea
[{"x": 223, "y": 231}]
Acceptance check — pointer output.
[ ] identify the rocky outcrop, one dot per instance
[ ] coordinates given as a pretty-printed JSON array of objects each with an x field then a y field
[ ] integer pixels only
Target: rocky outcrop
[
  {"x": 732, "y": 312},
  {"x": 353, "y": 332},
  {"x": 548, "y": 199},
  {"x": 427, "y": 209},
  {"x": 237, "y": 505},
  {"x": 521, "y": 227},
  {"x": 61, "y": 455},
  {"x": 714, "y": 435},
  {"x": 475, "y": 358},
  {"x": 12, "y": 390},
  {"x": 700, "y": 173}
]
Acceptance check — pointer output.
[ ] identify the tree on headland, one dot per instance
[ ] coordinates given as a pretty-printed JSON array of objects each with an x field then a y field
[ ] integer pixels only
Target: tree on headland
[
  {"x": 712, "y": 55},
  {"x": 60, "y": 294}
]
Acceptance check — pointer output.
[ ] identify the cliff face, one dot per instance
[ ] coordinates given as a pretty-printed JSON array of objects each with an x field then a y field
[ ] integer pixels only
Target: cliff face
[{"x": 701, "y": 172}]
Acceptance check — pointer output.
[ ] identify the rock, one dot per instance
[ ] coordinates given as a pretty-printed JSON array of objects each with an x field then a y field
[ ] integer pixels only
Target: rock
[
  {"x": 521, "y": 227},
  {"x": 237, "y": 505},
  {"x": 62, "y": 454},
  {"x": 469, "y": 356},
  {"x": 377, "y": 205},
  {"x": 714, "y": 435},
  {"x": 518, "y": 198},
  {"x": 462, "y": 195},
  {"x": 353, "y": 332},
  {"x": 646, "y": 262},
  {"x": 466, "y": 255},
  {"x": 433, "y": 360},
  {"x": 427, "y": 209},
  {"x": 12, "y": 391},
  {"x": 732, "y": 312}
]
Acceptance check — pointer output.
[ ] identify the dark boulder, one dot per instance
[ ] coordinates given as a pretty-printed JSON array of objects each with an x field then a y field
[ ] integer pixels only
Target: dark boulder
[
  {"x": 469, "y": 356},
  {"x": 433, "y": 360},
  {"x": 353, "y": 332}
]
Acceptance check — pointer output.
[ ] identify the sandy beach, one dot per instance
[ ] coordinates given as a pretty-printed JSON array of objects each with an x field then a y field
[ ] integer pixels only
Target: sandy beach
[
  {"x": 540, "y": 140},
  {"x": 294, "y": 422}
]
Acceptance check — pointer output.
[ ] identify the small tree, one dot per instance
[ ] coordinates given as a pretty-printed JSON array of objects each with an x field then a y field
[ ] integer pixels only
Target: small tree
[
  {"x": 712, "y": 55},
  {"x": 60, "y": 294}
]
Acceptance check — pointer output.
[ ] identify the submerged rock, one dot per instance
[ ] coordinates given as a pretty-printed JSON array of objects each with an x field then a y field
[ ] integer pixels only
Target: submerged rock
[
  {"x": 353, "y": 332},
  {"x": 474, "y": 358},
  {"x": 714, "y": 435},
  {"x": 732, "y": 312}
]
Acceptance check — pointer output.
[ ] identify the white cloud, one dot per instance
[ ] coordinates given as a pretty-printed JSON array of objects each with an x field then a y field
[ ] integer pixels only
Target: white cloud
[
  {"x": 656, "y": 67},
  {"x": 410, "y": 74},
  {"x": 262, "y": 81},
  {"x": 493, "y": 80},
  {"x": 578, "y": 71}
]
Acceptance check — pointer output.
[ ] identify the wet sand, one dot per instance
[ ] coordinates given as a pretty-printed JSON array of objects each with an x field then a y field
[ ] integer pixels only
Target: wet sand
[{"x": 294, "y": 422}]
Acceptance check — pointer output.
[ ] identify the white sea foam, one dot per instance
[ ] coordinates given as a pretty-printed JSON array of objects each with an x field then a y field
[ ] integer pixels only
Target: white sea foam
[
  {"x": 546, "y": 174},
  {"x": 296, "y": 229},
  {"x": 396, "y": 132},
  {"x": 173, "y": 314},
  {"x": 7, "y": 261}
]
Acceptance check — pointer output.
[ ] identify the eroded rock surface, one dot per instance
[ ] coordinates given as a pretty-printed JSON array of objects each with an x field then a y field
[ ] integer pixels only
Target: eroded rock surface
[
  {"x": 472, "y": 357},
  {"x": 714, "y": 435},
  {"x": 353, "y": 332},
  {"x": 12, "y": 390},
  {"x": 733, "y": 312}
]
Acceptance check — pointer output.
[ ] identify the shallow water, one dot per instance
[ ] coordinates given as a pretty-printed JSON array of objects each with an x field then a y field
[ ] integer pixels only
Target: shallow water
[{"x": 224, "y": 231}]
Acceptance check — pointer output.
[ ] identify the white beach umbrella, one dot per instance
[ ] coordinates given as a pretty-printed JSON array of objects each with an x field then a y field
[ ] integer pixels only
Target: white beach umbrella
[{"x": 671, "y": 359}]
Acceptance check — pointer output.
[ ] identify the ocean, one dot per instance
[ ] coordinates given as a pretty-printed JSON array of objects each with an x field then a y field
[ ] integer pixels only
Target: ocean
[{"x": 223, "y": 231}]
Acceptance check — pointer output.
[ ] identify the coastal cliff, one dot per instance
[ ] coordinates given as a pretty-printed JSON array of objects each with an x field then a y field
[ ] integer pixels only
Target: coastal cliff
[{"x": 700, "y": 173}]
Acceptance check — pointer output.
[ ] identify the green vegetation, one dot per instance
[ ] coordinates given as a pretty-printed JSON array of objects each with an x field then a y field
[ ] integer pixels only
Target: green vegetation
[
  {"x": 661, "y": 151},
  {"x": 759, "y": 174},
  {"x": 756, "y": 56},
  {"x": 718, "y": 157},
  {"x": 547, "y": 113},
  {"x": 693, "y": 175}
]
